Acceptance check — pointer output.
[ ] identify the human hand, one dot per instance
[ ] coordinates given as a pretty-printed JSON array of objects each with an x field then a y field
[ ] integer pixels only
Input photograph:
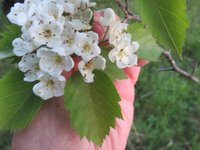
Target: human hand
[{"x": 51, "y": 130}]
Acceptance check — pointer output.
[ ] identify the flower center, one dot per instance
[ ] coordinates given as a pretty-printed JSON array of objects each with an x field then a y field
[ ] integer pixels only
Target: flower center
[
  {"x": 58, "y": 60},
  {"x": 36, "y": 67},
  {"x": 122, "y": 53},
  {"x": 49, "y": 83},
  {"x": 47, "y": 33},
  {"x": 70, "y": 41},
  {"x": 87, "y": 47},
  {"x": 89, "y": 65}
]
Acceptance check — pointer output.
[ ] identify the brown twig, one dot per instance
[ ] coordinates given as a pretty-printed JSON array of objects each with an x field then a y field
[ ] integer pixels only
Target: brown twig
[
  {"x": 177, "y": 69},
  {"x": 131, "y": 16},
  {"x": 128, "y": 14}
]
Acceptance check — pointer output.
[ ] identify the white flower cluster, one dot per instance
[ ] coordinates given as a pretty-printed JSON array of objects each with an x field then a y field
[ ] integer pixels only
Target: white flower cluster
[
  {"x": 56, "y": 31},
  {"x": 124, "y": 49}
]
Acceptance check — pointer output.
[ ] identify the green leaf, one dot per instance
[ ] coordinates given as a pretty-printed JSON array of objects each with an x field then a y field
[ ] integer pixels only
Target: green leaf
[
  {"x": 6, "y": 48},
  {"x": 149, "y": 49},
  {"x": 93, "y": 107},
  {"x": 111, "y": 69},
  {"x": 18, "y": 104},
  {"x": 167, "y": 21}
]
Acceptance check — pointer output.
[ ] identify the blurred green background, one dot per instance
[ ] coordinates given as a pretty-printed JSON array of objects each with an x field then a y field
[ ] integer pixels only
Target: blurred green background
[{"x": 167, "y": 106}]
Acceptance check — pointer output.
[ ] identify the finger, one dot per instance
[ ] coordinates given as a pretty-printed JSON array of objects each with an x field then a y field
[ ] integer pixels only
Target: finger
[
  {"x": 142, "y": 62},
  {"x": 133, "y": 73},
  {"x": 125, "y": 89}
]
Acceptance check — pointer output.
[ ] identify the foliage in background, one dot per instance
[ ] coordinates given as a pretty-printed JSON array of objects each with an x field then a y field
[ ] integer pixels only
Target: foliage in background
[{"x": 167, "y": 106}]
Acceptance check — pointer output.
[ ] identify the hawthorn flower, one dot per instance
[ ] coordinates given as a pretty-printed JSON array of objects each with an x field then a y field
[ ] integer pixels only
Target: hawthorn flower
[
  {"x": 86, "y": 67},
  {"x": 69, "y": 38},
  {"x": 49, "y": 87},
  {"x": 87, "y": 45},
  {"x": 29, "y": 64},
  {"x": 55, "y": 61},
  {"x": 18, "y": 14},
  {"x": 81, "y": 19},
  {"x": 47, "y": 33},
  {"x": 118, "y": 31},
  {"x": 124, "y": 53},
  {"x": 108, "y": 18},
  {"x": 50, "y": 8},
  {"x": 22, "y": 46}
]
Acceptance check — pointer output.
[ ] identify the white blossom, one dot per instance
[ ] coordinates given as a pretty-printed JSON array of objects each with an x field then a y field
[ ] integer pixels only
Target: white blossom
[
  {"x": 87, "y": 45},
  {"x": 46, "y": 33},
  {"x": 29, "y": 64},
  {"x": 81, "y": 19},
  {"x": 50, "y": 8},
  {"x": 124, "y": 53},
  {"x": 69, "y": 38},
  {"x": 54, "y": 31},
  {"x": 22, "y": 47},
  {"x": 108, "y": 18},
  {"x": 86, "y": 67},
  {"x": 118, "y": 31},
  {"x": 55, "y": 61},
  {"x": 18, "y": 14},
  {"x": 49, "y": 87}
]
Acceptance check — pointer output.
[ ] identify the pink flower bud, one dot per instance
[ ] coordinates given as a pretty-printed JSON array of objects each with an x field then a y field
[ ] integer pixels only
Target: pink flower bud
[{"x": 97, "y": 26}]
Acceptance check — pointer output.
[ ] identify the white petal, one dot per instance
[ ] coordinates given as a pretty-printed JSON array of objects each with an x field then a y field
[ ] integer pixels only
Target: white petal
[
  {"x": 88, "y": 78},
  {"x": 49, "y": 87},
  {"x": 121, "y": 65},
  {"x": 31, "y": 76},
  {"x": 94, "y": 36},
  {"x": 69, "y": 8},
  {"x": 108, "y": 18},
  {"x": 112, "y": 55},
  {"x": 69, "y": 64},
  {"x": 28, "y": 62},
  {"x": 135, "y": 46},
  {"x": 51, "y": 8},
  {"x": 133, "y": 59},
  {"x": 18, "y": 14},
  {"x": 99, "y": 62},
  {"x": 42, "y": 91},
  {"x": 61, "y": 51}
]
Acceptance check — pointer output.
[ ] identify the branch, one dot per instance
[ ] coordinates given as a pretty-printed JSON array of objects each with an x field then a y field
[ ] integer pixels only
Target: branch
[
  {"x": 131, "y": 16},
  {"x": 128, "y": 14},
  {"x": 177, "y": 69}
]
